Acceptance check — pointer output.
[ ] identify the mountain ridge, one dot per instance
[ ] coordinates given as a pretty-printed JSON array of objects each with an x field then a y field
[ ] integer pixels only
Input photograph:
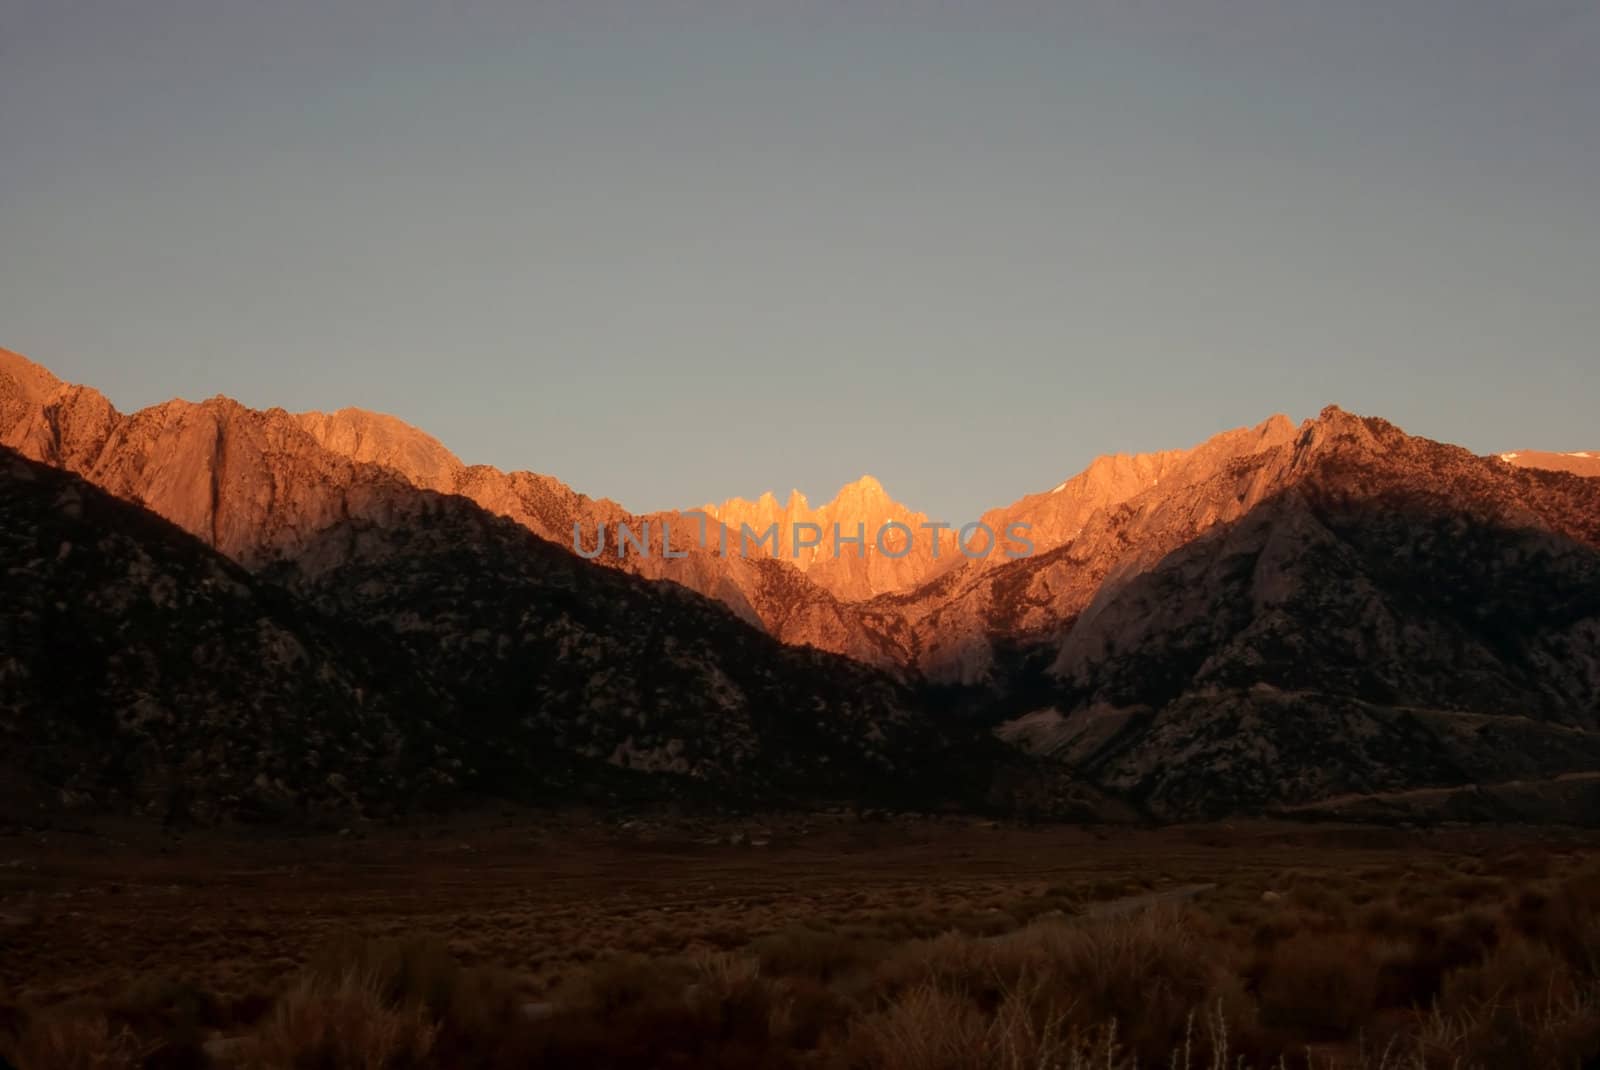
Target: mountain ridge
[
  {"x": 258, "y": 484},
  {"x": 1281, "y": 615},
  {"x": 1579, "y": 462},
  {"x": 72, "y": 426}
]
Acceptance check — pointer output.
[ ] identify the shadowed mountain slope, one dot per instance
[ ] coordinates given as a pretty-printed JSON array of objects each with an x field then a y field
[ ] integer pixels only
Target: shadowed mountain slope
[
  {"x": 542, "y": 647},
  {"x": 142, "y": 670},
  {"x": 1401, "y": 615},
  {"x": 441, "y": 654}
]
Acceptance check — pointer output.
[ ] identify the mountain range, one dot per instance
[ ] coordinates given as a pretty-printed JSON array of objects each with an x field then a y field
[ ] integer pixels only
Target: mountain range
[
  {"x": 1579, "y": 462},
  {"x": 278, "y": 614}
]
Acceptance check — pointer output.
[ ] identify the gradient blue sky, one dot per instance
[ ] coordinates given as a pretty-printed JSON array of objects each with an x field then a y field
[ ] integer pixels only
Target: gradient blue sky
[{"x": 673, "y": 252}]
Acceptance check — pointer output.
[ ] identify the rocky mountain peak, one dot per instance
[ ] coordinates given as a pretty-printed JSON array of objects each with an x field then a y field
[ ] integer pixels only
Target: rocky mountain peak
[
  {"x": 40, "y": 416},
  {"x": 865, "y": 501},
  {"x": 1338, "y": 430},
  {"x": 865, "y": 484},
  {"x": 378, "y": 438},
  {"x": 22, "y": 379}
]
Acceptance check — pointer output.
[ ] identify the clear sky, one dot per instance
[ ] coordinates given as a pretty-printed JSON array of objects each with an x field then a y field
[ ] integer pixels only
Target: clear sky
[{"x": 672, "y": 252}]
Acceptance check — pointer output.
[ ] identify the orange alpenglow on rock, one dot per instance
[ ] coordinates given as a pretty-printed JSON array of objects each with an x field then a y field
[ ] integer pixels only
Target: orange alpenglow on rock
[
  {"x": 260, "y": 485},
  {"x": 1579, "y": 463}
]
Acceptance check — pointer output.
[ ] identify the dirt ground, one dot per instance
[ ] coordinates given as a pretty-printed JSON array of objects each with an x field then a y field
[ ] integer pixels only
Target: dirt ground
[{"x": 87, "y": 910}]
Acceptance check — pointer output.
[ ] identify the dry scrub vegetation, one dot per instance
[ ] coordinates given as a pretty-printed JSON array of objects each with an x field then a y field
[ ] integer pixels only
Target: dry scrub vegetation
[{"x": 1412, "y": 964}]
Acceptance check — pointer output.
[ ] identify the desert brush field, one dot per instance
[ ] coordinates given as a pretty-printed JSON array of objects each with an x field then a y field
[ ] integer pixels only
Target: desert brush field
[{"x": 829, "y": 940}]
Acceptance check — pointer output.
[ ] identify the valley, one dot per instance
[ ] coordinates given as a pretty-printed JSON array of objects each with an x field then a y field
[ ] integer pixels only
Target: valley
[
  {"x": 585, "y": 938},
  {"x": 695, "y": 536}
]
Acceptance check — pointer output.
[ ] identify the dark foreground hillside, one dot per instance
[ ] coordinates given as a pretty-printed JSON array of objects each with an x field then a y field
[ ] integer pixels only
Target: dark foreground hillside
[
  {"x": 141, "y": 671},
  {"x": 445, "y": 656},
  {"x": 541, "y": 650}
]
